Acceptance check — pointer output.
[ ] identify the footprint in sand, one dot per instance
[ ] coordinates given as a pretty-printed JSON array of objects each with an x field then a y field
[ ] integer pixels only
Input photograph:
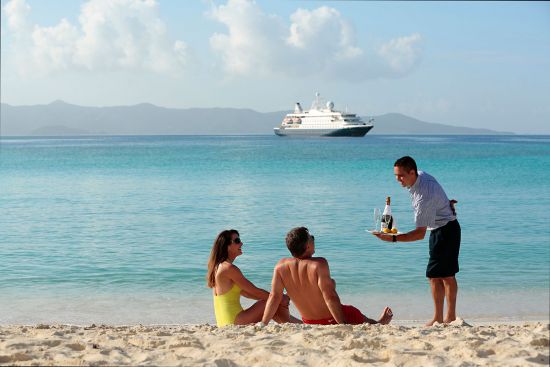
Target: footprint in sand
[
  {"x": 76, "y": 347},
  {"x": 539, "y": 359},
  {"x": 19, "y": 346},
  {"x": 156, "y": 343},
  {"x": 225, "y": 363},
  {"x": 485, "y": 353},
  {"x": 5, "y": 359},
  {"x": 354, "y": 344},
  {"x": 164, "y": 333},
  {"x": 51, "y": 343},
  {"x": 487, "y": 333},
  {"x": 20, "y": 357},
  {"x": 540, "y": 342}
]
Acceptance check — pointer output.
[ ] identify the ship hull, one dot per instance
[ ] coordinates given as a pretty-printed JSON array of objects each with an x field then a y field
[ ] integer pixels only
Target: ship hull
[{"x": 356, "y": 131}]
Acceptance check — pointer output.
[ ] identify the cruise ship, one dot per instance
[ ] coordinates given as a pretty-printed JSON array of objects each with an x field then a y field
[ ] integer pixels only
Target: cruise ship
[{"x": 322, "y": 120}]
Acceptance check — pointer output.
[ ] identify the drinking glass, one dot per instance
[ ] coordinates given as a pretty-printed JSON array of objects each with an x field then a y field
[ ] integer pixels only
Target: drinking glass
[{"x": 377, "y": 219}]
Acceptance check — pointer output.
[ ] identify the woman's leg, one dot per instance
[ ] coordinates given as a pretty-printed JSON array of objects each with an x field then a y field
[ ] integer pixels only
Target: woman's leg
[
  {"x": 282, "y": 315},
  {"x": 252, "y": 314}
]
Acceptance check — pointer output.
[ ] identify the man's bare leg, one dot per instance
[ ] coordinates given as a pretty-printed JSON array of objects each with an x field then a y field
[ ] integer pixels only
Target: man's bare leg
[
  {"x": 451, "y": 289},
  {"x": 438, "y": 295},
  {"x": 385, "y": 317}
]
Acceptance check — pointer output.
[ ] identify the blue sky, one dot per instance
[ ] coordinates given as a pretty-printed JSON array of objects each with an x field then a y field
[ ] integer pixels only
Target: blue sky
[{"x": 476, "y": 64}]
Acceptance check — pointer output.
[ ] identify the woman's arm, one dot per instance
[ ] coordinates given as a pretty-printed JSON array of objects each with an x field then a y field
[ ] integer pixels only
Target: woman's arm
[{"x": 248, "y": 289}]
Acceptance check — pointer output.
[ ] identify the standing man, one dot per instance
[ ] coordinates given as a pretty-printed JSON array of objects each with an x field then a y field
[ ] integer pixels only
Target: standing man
[{"x": 432, "y": 211}]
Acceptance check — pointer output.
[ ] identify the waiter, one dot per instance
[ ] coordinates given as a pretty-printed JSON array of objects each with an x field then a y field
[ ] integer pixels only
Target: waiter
[{"x": 432, "y": 211}]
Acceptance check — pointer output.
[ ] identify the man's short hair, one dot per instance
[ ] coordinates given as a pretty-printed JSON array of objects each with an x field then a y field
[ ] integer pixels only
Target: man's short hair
[
  {"x": 407, "y": 163},
  {"x": 296, "y": 241}
]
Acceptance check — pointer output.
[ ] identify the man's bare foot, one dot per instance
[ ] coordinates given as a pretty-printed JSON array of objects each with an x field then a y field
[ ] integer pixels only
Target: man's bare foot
[
  {"x": 386, "y": 316},
  {"x": 431, "y": 323},
  {"x": 448, "y": 320}
]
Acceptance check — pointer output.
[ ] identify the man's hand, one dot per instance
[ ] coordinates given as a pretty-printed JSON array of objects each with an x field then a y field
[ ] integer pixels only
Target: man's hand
[
  {"x": 452, "y": 203},
  {"x": 414, "y": 235}
]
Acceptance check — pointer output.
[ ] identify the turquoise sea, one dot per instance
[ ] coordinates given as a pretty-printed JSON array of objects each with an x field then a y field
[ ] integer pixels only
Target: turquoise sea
[{"x": 119, "y": 229}]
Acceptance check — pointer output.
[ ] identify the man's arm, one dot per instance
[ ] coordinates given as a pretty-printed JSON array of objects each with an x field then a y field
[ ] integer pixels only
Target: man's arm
[
  {"x": 328, "y": 289},
  {"x": 415, "y": 235},
  {"x": 275, "y": 296}
]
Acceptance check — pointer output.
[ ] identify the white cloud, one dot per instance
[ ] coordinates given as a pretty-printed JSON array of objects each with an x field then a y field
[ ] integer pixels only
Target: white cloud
[
  {"x": 111, "y": 35},
  {"x": 401, "y": 53},
  {"x": 314, "y": 42},
  {"x": 17, "y": 12},
  {"x": 322, "y": 30},
  {"x": 52, "y": 48},
  {"x": 253, "y": 41}
]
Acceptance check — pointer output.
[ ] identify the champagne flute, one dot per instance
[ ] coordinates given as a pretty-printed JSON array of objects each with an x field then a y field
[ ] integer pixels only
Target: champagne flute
[{"x": 377, "y": 219}]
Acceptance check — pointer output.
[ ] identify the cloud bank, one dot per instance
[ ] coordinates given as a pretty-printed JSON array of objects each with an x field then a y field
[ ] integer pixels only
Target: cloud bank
[
  {"x": 314, "y": 42},
  {"x": 111, "y": 35},
  {"x": 129, "y": 35}
]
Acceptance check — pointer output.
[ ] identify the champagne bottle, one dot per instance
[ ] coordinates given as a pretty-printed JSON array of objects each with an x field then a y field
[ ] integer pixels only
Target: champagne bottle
[{"x": 387, "y": 218}]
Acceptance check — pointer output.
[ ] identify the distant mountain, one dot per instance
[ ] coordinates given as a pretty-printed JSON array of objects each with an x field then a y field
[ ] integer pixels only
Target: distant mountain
[
  {"x": 396, "y": 123},
  {"x": 62, "y": 119}
]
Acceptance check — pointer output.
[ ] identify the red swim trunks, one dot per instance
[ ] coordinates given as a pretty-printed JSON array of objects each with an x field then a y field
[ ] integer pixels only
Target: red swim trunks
[{"x": 352, "y": 315}]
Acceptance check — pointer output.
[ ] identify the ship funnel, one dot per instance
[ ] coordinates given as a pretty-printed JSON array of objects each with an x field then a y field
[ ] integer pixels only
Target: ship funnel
[{"x": 298, "y": 108}]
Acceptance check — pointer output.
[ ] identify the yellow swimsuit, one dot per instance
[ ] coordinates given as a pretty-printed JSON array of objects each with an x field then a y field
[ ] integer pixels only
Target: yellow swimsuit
[{"x": 227, "y": 306}]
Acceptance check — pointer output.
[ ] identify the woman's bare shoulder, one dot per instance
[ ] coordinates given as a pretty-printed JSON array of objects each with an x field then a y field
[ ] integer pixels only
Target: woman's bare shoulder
[{"x": 226, "y": 268}]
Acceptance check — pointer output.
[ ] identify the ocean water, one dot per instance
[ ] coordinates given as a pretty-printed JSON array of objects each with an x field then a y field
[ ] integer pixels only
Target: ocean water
[{"x": 119, "y": 229}]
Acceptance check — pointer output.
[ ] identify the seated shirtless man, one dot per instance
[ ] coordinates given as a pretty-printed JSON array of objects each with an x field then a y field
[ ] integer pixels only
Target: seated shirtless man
[{"x": 309, "y": 285}]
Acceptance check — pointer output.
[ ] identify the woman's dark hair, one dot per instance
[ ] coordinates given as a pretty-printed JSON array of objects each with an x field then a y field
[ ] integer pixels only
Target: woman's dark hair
[
  {"x": 296, "y": 241},
  {"x": 407, "y": 163},
  {"x": 218, "y": 254}
]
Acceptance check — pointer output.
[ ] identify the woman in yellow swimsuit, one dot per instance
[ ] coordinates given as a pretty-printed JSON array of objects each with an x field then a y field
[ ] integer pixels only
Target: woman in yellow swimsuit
[{"x": 228, "y": 284}]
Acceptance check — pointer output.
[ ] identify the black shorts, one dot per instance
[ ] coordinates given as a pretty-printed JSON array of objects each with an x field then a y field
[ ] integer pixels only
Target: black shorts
[{"x": 444, "y": 249}]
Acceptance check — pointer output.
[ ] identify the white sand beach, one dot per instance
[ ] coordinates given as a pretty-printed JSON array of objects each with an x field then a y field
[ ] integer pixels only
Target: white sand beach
[{"x": 458, "y": 344}]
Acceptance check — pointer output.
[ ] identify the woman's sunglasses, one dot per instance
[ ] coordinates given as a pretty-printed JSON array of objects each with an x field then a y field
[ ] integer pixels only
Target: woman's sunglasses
[{"x": 237, "y": 240}]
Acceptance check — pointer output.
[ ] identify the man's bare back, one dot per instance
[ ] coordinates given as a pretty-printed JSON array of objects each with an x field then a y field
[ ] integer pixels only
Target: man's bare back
[{"x": 301, "y": 279}]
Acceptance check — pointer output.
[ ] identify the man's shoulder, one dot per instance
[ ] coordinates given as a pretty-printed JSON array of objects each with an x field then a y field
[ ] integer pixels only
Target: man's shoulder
[
  {"x": 316, "y": 261},
  {"x": 285, "y": 261},
  {"x": 426, "y": 183},
  {"x": 320, "y": 260},
  {"x": 426, "y": 178}
]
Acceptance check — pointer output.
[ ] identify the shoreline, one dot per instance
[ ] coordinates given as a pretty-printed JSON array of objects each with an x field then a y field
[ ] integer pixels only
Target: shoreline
[
  {"x": 459, "y": 343},
  {"x": 173, "y": 309}
]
